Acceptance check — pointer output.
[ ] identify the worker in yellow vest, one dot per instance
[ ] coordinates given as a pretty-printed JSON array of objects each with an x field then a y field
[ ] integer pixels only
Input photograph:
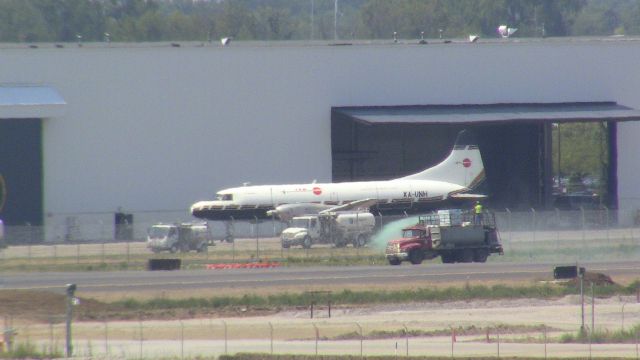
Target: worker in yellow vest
[{"x": 477, "y": 213}]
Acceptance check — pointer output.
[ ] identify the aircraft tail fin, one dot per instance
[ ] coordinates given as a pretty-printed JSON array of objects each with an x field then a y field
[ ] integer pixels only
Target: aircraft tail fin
[{"x": 463, "y": 166}]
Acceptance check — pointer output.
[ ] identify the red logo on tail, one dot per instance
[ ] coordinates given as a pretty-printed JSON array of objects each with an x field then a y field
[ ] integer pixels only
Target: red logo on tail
[
  {"x": 466, "y": 162},
  {"x": 317, "y": 190}
]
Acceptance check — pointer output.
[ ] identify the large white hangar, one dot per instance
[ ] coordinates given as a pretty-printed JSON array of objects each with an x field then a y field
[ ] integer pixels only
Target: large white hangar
[{"x": 154, "y": 127}]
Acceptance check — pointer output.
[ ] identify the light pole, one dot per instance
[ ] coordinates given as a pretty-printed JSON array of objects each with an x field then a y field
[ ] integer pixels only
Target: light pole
[{"x": 71, "y": 290}]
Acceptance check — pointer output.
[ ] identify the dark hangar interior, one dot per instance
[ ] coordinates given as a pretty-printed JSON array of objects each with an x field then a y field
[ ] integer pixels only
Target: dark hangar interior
[{"x": 386, "y": 142}]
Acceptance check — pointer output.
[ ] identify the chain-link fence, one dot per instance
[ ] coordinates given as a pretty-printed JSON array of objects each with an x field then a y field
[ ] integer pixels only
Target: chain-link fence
[
  {"x": 91, "y": 240},
  {"x": 420, "y": 336}
]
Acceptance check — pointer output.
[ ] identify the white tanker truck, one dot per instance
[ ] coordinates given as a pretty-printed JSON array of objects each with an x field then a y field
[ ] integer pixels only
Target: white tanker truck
[{"x": 337, "y": 228}]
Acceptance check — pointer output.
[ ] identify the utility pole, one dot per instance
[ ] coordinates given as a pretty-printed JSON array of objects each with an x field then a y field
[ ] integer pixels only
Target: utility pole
[{"x": 581, "y": 300}]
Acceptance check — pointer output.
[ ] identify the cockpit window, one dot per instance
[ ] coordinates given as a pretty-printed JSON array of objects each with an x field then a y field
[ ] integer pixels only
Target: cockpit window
[
  {"x": 224, "y": 197},
  {"x": 408, "y": 233}
]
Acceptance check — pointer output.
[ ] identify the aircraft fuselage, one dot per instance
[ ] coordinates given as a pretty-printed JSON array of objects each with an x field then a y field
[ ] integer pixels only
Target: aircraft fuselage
[{"x": 251, "y": 202}]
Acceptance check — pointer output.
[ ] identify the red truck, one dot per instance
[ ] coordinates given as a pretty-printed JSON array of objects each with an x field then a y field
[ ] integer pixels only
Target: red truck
[{"x": 451, "y": 234}]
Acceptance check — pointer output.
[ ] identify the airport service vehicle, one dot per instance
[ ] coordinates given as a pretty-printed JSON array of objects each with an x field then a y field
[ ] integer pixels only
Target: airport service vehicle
[
  {"x": 451, "y": 234},
  {"x": 179, "y": 237},
  {"x": 451, "y": 180},
  {"x": 337, "y": 228}
]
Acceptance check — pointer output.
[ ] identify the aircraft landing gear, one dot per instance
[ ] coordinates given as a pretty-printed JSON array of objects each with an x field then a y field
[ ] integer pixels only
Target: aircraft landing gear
[{"x": 229, "y": 236}]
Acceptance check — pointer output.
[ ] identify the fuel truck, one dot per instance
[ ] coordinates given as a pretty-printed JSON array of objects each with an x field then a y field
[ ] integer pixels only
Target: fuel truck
[{"x": 336, "y": 228}]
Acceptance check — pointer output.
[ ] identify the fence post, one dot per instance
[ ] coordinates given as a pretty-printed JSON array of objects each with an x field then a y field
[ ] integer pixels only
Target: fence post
[
  {"x": 622, "y": 313},
  {"x": 106, "y": 338},
  {"x": 544, "y": 336},
  {"x": 509, "y": 221},
  {"x": 271, "y": 336},
  {"x": 498, "y": 340},
  {"x": 593, "y": 310},
  {"x": 181, "y": 339},
  {"x": 257, "y": 241},
  {"x": 557, "y": 229},
  {"x": 406, "y": 337},
  {"x": 590, "y": 333},
  {"x": 51, "y": 350},
  {"x": 453, "y": 340},
  {"x": 606, "y": 212},
  {"x": 584, "y": 227},
  {"x": 361, "y": 338},
  {"x": 637, "y": 353},
  {"x": 317, "y": 332},
  {"x": 141, "y": 337},
  {"x": 128, "y": 252},
  {"x": 224, "y": 324},
  {"x": 233, "y": 242},
  {"x": 533, "y": 223}
]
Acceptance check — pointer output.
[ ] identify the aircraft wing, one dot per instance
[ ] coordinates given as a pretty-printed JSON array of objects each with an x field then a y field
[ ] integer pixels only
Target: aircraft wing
[{"x": 363, "y": 204}]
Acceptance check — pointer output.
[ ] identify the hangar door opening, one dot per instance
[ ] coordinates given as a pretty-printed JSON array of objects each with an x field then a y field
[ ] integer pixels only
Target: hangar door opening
[
  {"x": 516, "y": 142},
  {"x": 21, "y": 171}
]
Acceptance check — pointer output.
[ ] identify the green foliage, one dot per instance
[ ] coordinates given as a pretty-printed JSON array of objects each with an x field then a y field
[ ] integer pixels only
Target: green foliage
[
  {"x": 156, "y": 20},
  {"x": 602, "y": 336},
  {"x": 26, "y": 350}
]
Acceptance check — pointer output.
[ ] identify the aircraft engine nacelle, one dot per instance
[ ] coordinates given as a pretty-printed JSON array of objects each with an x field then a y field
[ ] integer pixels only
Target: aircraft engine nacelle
[{"x": 287, "y": 212}]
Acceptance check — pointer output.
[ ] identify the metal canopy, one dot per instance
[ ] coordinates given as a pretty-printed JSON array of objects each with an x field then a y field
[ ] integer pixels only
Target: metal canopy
[
  {"x": 490, "y": 113},
  {"x": 30, "y": 101}
]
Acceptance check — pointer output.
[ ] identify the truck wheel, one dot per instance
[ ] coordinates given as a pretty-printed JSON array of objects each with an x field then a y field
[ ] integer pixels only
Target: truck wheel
[
  {"x": 394, "y": 261},
  {"x": 465, "y": 256},
  {"x": 306, "y": 243},
  {"x": 480, "y": 255},
  {"x": 360, "y": 241},
  {"x": 448, "y": 258},
  {"x": 416, "y": 257}
]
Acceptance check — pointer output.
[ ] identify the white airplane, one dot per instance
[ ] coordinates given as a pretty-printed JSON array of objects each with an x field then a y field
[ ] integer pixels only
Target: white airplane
[{"x": 452, "y": 179}]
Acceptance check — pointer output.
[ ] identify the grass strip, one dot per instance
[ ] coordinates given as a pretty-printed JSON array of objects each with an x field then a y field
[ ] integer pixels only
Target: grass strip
[
  {"x": 460, "y": 331},
  {"x": 350, "y": 297},
  {"x": 583, "y": 336},
  {"x": 26, "y": 350}
]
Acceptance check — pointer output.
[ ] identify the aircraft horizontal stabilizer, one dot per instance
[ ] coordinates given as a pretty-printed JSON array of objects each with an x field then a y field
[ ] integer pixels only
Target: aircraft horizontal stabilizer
[{"x": 468, "y": 196}]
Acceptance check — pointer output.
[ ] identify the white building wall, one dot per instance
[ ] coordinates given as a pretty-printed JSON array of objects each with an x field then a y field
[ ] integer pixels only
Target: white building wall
[{"x": 155, "y": 127}]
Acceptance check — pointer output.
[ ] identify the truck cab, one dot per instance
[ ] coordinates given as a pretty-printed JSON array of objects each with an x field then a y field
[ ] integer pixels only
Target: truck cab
[
  {"x": 412, "y": 246},
  {"x": 301, "y": 231}
]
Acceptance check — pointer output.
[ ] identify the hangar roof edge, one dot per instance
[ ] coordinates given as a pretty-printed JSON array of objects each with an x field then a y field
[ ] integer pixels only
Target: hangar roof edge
[
  {"x": 30, "y": 101},
  {"x": 490, "y": 113},
  {"x": 62, "y": 46}
]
